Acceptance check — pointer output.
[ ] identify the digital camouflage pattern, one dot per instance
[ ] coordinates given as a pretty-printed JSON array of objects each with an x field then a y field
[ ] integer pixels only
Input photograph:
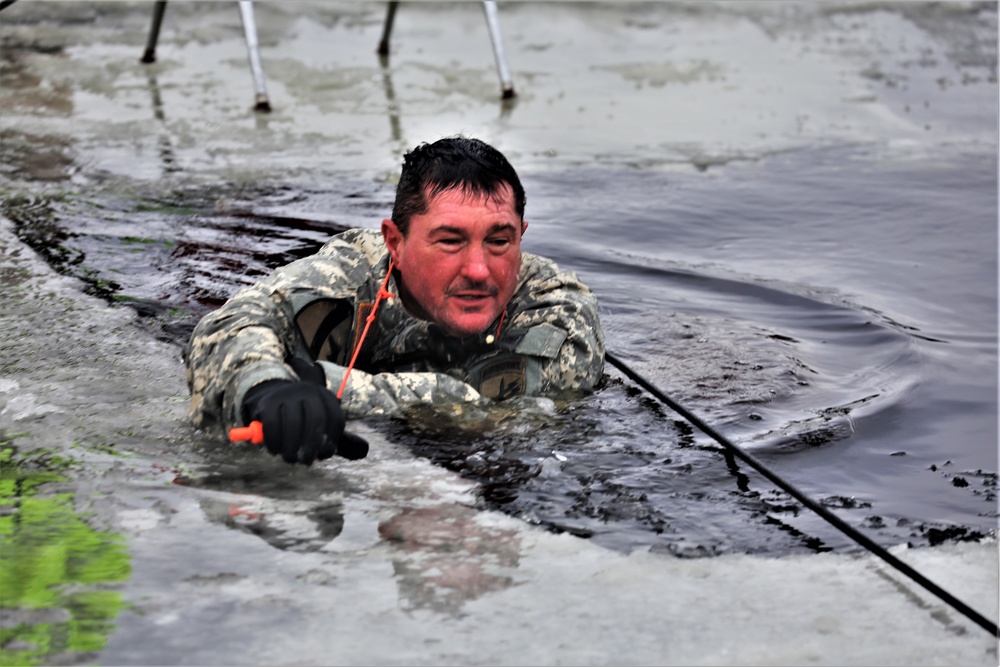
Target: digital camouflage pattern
[{"x": 550, "y": 340}]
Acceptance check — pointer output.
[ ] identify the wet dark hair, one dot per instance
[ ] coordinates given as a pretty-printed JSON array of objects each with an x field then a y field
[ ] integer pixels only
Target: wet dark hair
[{"x": 470, "y": 165}]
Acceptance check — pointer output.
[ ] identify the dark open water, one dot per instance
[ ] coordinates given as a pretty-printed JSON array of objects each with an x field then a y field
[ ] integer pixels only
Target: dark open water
[{"x": 832, "y": 311}]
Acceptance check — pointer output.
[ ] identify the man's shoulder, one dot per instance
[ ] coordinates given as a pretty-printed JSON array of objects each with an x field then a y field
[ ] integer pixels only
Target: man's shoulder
[
  {"x": 541, "y": 272},
  {"x": 335, "y": 270},
  {"x": 367, "y": 242}
]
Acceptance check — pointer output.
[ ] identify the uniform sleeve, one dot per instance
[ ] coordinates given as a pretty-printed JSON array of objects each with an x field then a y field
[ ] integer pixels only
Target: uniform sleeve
[
  {"x": 392, "y": 394},
  {"x": 564, "y": 333},
  {"x": 240, "y": 345},
  {"x": 246, "y": 341}
]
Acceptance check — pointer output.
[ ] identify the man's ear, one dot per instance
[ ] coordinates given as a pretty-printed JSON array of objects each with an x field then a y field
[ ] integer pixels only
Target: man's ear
[
  {"x": 393, "y": 238},
  {"x": 524, "y": 227}
]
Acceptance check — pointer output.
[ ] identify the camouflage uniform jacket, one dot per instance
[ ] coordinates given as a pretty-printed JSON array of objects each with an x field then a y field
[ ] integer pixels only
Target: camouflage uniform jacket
[{"x": 550, "y": 340}]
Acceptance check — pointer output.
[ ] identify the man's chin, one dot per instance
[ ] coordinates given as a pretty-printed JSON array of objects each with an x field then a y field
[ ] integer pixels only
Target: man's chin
[{"x": 465, "y": 326}]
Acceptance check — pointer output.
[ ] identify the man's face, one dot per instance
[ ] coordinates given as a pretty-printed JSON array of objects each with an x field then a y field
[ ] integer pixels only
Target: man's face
[{"x": 460, "y": 260}]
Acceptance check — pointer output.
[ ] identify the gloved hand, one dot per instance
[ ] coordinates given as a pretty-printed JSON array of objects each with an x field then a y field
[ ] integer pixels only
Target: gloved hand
[
  {"x": 302, "y": 422},
  {"x": 307, "y": 371},
  {"x": 351, "y": 446}
]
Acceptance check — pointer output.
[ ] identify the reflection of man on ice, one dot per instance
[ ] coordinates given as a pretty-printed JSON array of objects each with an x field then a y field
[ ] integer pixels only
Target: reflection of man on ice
[{"x": 466, "y": 316}]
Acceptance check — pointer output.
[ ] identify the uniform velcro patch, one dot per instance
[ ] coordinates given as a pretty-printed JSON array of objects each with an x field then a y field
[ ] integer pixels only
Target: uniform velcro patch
[{"x": 543, "y": 340}]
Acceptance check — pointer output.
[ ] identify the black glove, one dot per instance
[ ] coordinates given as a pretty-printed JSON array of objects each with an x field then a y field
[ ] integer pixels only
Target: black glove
[
  {"x": 307, "y": 371},
  {"x": 302, "y": 422},
  {"x": 351, "y": 446}
]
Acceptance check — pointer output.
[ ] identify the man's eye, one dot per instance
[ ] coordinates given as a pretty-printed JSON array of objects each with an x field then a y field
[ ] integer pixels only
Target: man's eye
[
  {"x": 449, "y": 242},
  {"x": 499, "y": 242}
]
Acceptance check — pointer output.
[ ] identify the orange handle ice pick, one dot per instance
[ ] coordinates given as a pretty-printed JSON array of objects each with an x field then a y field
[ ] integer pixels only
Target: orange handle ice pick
[{"x": 254, "y": 432}]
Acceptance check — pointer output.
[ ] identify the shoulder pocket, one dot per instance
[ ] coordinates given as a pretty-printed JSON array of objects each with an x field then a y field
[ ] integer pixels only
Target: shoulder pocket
[{"x": 543, "y": 340}]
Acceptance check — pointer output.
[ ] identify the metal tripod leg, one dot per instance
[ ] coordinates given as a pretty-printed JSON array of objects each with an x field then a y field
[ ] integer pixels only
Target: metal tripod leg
[
  {"x": 390, "y": 16},
  {"x": 253, "y": 52},
  {"x": 493, "y": 23},
  {"x": 149, "y": 56}
]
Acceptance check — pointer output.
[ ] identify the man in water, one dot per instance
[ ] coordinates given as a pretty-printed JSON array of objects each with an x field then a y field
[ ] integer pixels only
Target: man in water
[{"x": 461, "y": 315}]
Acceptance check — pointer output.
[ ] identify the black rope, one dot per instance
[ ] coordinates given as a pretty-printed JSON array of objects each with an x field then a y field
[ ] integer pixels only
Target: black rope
[{"x": 825, "y": 513}]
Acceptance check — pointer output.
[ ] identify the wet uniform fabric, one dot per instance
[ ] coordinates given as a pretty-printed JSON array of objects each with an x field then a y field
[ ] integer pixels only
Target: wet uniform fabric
[{"x": 549, "y": 342}]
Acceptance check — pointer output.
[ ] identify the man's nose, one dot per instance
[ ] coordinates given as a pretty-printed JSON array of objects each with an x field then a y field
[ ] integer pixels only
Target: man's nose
[{"x": 474, "y": 266}]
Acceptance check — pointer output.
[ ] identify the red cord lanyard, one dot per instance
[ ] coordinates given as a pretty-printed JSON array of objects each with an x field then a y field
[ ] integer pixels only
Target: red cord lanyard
[
  {"x": 495, "y": 338},
  {"x": 383, "y": 293}
]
